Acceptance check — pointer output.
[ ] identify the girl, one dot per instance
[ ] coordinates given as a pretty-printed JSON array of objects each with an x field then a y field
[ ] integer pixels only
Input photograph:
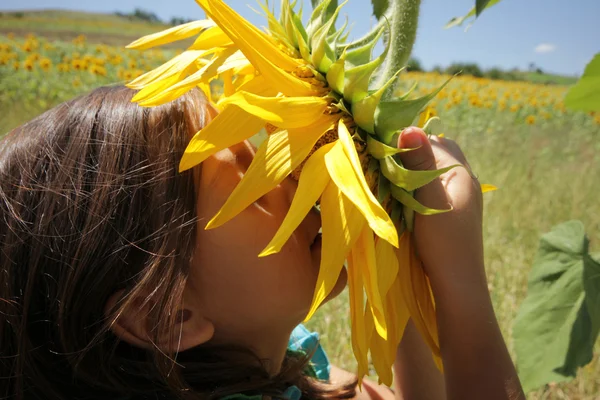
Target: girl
[{"x": 110, "y": 288}]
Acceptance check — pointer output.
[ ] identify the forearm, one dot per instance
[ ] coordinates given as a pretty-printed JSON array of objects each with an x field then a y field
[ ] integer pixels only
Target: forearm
[
  {"x": 415, "y": 375},
  {"x": 477, "y": 364}
]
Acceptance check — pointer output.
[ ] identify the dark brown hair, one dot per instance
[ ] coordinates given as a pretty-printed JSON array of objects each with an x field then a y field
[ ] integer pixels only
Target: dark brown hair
[{"x": 92, "y": 203}]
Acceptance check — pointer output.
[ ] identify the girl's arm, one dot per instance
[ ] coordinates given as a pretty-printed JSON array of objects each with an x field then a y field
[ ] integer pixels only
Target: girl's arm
[{"x": 476, "y": 362}]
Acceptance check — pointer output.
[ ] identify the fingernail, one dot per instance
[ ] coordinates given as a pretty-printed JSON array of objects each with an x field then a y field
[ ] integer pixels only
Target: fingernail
[
  {"x": 183, "y": 316},
  {"x": 411, "y": 138}
]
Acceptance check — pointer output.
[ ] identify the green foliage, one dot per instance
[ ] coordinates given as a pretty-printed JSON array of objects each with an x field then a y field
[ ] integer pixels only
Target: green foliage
[
  {"x": 480, "y": 6},
  {"x": 585, "y": 95},
  {"x": 414, "y": 65},
  {"x": 559, "y": 321},
  {"x": 465, "y": 68}
]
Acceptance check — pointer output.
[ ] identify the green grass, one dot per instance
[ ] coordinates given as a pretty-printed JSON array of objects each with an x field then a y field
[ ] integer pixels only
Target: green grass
[{"x": 544, "y": 78}]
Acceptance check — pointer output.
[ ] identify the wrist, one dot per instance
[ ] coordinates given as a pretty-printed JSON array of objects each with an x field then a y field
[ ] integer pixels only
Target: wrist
[{"x": 460, "y": 284}]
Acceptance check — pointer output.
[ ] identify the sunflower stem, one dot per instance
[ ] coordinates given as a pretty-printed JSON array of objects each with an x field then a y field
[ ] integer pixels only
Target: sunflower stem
[{"x": 403, "y": 18}]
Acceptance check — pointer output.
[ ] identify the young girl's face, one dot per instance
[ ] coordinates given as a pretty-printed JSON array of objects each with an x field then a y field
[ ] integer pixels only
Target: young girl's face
[{"x": 241, "y": 294}]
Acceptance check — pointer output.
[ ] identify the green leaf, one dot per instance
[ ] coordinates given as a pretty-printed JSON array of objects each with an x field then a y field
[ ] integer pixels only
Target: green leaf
[
  {"x": 409, "y": 180},
  {"x": 585, "y": 95},
  {"x": 558, "y": 323},
  {"x": 480, "y": 6},
  {"x": 380, "y": 7}
]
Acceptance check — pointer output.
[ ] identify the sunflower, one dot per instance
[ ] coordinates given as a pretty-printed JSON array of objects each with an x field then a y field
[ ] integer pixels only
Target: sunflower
[{"x": 315, "y": 97}]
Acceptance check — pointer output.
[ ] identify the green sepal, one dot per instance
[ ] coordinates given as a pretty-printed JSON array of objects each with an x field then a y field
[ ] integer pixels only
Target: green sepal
[
  {"x": 396, "y": 215},
  {"x": 320, "y": 15},
  {"x": 322, "y": 55},
  {"x": 363, "y": 110},
  {"x": 297, "y": 20},
  {"x": 379, "y": 150},
  {"x": 383, "y": 188},
  {"x": 433, "y": 126},
  {"x": 409, "y": 92},
  {"x": 303, "y": 46},
  {"x": 356, "y": 79},
  {"x": 335, "y": 75},
  {"x": 409, "y": 216},
  {"x": 287, "y": 11},
  {"x": 397, "y": 114},
  {"x": 409, "y": 179},
  {"x": 275, "y": 27},
  {"x": 362, "y": 55},
  {"x": 408, "y": 200}
]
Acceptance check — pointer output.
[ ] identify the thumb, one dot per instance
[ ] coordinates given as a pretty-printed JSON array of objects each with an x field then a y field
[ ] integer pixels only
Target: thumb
[{"x": 422, "y": 158}]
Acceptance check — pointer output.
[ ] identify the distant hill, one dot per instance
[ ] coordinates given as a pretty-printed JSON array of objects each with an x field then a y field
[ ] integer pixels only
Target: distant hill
[{"x": 65, "y": 25}]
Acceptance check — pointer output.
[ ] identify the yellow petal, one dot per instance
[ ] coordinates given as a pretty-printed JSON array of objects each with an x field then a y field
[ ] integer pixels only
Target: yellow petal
[
  {"x": 275, "y": 159},
  {"x": 397, "y": 314},
  {"x": 360, "y": 335},
  {"x": 213, "y": 37},
  {"x": 416, "y": 292},
  {"x": 366, "y": 262},
  {"x": 154, "y": 89},
  {"x": 180, "y": 87},
  {"x": 260, "y": 51},
  {"x": 233, "y": 125},
  {"x": 383, "y": 352},
  {"x": 342, "y": 225},
  {"x": 425, "y": 115},
  {"x": 170, "y": 35},
  {"x": 172, "y": 67},
  {"x": 424, "y": 296},
  {"x": 227, "y": 77},
  {"x": 259, "y": 86},
  {"x": 241, "y": 80},
  {"x": 486, "y": 187},
  {"x": 235, "y": 62},
  {"x": 311, "y": 185},
  {"x": 388, "y": 266},
  {"x": 205, "y": 88},
  {"x": 382, "y": 359},
  {"x": 283, "y": 112},
  {"x": 344, "y": 175}
]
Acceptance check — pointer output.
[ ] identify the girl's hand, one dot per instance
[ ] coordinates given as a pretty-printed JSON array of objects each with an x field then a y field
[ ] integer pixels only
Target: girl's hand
[{"x": 449, "y": 244}]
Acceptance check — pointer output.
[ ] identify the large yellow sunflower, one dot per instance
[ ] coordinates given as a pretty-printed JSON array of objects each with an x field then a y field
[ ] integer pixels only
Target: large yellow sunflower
[{"x": 315, "y": 97}]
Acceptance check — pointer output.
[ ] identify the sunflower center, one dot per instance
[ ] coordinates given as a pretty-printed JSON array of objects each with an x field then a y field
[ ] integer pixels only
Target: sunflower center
[{"x": 332, "y": 135}]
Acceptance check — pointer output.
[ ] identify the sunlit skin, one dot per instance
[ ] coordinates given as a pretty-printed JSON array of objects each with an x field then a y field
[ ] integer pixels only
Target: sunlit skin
[{"x": 251, "y": 301}]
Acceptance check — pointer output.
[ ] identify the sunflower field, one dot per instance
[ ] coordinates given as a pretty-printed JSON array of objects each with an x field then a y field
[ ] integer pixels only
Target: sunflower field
[{"x": 518, "y": 136}]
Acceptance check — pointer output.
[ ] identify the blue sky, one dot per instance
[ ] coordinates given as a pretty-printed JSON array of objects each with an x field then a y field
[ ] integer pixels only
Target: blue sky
[{"x": 556, "y": 35}]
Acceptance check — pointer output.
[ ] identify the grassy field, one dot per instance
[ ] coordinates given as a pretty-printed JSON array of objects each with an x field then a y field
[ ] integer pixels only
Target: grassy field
[{"x": 518, "y": 136}]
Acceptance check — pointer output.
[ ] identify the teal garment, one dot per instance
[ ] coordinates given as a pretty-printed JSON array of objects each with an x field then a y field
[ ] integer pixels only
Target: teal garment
[{"x": 305, "y": 342}]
